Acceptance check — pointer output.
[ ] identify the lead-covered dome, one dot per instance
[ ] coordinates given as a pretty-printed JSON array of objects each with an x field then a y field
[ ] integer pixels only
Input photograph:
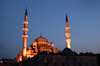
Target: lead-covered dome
[{"x": 40, "y": 39}]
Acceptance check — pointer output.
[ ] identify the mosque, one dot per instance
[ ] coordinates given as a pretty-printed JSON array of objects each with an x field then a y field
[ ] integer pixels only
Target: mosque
[
  {"x": 39, "y": 45},
  {"x": 43, "y": 53}
]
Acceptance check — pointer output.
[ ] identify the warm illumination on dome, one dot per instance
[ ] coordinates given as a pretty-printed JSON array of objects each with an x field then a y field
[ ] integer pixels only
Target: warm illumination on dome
[{"x": 40, "y": 39}]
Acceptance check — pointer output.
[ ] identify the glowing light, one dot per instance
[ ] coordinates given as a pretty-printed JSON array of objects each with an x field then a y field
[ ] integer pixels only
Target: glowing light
[
  {"x": 67, "y": 34},
  {"x": 29, "y": 56},
  {"x": 20, "y": 59},
  {"x": 78, "y": 53},
  {"x": 68, "y": 43},
  {"x": 1, "y": 61},
  {"x": 45, "y": 60}
]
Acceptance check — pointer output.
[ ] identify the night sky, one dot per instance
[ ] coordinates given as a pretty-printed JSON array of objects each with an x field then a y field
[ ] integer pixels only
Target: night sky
[{"x": 48, "y": 17}]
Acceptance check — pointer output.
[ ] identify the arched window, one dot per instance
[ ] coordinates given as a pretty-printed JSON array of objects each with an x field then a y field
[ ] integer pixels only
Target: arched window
[
  {"x": 45, "y": 61},
  {"x": 34, "y": 46}
]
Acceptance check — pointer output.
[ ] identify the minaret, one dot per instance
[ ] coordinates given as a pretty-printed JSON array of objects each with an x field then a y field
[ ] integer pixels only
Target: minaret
[
  {"x": 25, "y": 36},
  {"x": 68, "y": 40}
]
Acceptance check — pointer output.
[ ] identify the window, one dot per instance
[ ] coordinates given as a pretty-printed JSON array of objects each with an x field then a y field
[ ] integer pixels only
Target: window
[
  {"x": 34, "y": 45},
  {"x": 80, "y": 64},
  {"x": 46, "y": 64},
  {"x": 62, "y": 64},
  {"x": 54, "y": 64},
  {"x": 86, "y": 64}
]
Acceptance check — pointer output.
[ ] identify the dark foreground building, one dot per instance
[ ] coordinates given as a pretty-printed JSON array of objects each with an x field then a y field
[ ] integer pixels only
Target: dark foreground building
[
  {"x": 65, "y": 58},
  {"x": 7, "y": 62}
]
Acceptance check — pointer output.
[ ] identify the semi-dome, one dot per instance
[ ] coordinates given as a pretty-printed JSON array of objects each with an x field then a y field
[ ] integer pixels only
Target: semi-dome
[{"x": 40, "y": 39}]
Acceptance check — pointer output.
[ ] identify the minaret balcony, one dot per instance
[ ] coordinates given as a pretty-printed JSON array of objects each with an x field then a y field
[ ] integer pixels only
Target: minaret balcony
[
  {"x": 68, "y": 40},
  {"x": 25, "y": 29},
  {"x": 25, "y": 23},
  {"x": 67, "y": 28},
  {"x": 24, "y": 36},
  {"x": 68, "y": 34}
]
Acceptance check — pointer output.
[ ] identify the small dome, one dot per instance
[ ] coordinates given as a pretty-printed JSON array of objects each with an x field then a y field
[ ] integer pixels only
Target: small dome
[
  {"x": 67, "y": 51},
  {"x": 51, "y": 43},
  {"x": 40, "y": 39}
]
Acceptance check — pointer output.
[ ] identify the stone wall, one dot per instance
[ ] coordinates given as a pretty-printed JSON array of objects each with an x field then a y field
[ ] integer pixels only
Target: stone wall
[
  {"x": 62, "y": 60},
  {"x": 85, "y": 60},
  {"x": 52, "y": 60}
]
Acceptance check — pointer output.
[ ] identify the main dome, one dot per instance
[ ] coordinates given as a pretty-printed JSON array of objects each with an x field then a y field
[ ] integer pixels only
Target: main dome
[{"x": 40, "y": 39}]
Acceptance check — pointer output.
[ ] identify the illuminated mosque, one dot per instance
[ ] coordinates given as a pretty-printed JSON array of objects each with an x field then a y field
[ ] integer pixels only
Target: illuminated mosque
[
  {"x": 39, "y": 45},
  {"x": 43, "y": 53}
]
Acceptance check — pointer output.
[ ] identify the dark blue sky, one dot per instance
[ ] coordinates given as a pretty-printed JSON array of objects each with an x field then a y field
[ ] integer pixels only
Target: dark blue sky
[{"x": 48, "y": 17}]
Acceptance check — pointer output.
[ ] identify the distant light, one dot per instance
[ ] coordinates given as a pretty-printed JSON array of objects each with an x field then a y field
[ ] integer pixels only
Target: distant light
[
  {"x": 45, "y": 60},
  {"x": 78, "y": 53},
  {"x": 1, "y": 61}
]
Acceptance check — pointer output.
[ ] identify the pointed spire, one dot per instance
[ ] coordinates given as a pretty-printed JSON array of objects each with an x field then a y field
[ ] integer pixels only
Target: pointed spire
[
  {"x": 41, "y": 34},
  {"x": 26, "y": 11},
  {"x": 66, "y": 18},
  {"x": 26, "y": 16}
]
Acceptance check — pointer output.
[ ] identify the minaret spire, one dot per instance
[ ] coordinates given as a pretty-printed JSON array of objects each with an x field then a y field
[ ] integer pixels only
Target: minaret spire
[
  {"x": 66, "y": 18},
  {"x": 41, "y": 34},
  {"x": 26, "y": 11},
  {"x": 26, "y": 15},
  {"x": 25, "y": 36},
  {"x": 68, "y": 40}
]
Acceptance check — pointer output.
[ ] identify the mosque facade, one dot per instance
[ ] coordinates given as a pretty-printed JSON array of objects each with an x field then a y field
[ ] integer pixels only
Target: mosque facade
[{"x": 39, "y": 45}]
